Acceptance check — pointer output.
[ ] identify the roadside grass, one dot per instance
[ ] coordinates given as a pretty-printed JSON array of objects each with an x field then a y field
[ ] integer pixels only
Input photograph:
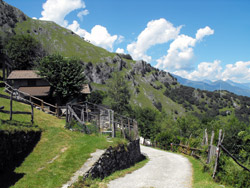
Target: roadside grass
[
  {"x": 202, "y": 179},
  {"x": 58, "y": 154},
  {"x": 98, "y": 183}
]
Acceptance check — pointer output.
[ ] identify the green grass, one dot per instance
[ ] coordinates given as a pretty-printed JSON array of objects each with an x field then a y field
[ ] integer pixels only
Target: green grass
[
  {"x": 202, "y": 179},
  {"x": 95, "y": 183},
  {"x": 56, "y": 39},
  {"x": 58, "y": 154}
]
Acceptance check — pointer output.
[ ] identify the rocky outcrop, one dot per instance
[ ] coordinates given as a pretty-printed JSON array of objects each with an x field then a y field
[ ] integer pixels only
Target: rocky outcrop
[
  {"x": 9, "y": 16},
  {"x": 100, "y": 72}
]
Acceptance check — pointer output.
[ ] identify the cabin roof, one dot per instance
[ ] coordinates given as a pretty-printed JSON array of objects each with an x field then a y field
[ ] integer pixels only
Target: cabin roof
[
  {"x": 38, "y": 91},
  {"x": 23, "y": 74}
]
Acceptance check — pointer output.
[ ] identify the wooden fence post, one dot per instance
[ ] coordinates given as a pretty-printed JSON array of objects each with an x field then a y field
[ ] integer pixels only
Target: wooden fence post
[
  {"x": 113, "y": 125},
  {"x": 209, "y": 155},
  {"x": 32, "y": 114},
  {"x": 87, "y": 111},
  {"x": 129, "y": 129},
  {"x": 218, "y": 154},
  {"x": 123, "y": 132},
  {"x": 11, "y": 97}
]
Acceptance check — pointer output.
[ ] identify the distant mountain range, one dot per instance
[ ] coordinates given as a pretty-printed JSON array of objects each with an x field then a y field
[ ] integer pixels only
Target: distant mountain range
[{"x": 237, "y": 88}]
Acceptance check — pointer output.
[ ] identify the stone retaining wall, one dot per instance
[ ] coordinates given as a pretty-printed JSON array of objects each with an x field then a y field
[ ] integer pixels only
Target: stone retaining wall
[
  {"x": 14, "y": 147},
  {"x": 114, "y": 159}
]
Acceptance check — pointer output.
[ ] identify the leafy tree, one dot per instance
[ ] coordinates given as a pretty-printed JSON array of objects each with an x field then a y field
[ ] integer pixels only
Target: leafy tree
[
  {"x": 24, "y": 50},
  {"x": 96, "y": 97},
  {"x": 64, "y": 75},
  {"x": 118, "y": 94},
  {"x": 148, "y": 121}
]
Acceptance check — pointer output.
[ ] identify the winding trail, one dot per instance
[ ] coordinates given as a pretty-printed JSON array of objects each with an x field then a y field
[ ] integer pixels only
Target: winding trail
[{"x": 164, "y": 170}]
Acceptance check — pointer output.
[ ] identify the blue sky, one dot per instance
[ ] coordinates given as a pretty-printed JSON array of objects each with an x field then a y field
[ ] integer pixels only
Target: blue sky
[{"x": 196, "y": 39}]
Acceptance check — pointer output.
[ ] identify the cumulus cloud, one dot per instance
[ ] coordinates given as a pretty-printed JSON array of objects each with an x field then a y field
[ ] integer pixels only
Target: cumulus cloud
[
  {"x": 238, "y": 72},
  {"x": 120, "y": 51},
  {"x": 157, "y": 32},
  {"x": 56, "y": 10},
  {"x": 99, "y": 35},
  {"x": 34, "y": 18},
  {"x": 205, "y": 70},
  {"x": 201, "y": 33},
  {"x": 82, "y": 13},
  {"x": 180, "y": 53},
  {"x": 75, "y": 26}
]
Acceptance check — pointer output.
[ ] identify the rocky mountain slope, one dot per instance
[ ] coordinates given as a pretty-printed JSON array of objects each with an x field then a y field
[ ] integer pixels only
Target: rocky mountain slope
[{"x": 149, "y": 87}]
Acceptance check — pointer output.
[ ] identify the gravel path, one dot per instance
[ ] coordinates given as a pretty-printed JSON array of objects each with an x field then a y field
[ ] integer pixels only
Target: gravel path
[{"x": 164, "y": 170}]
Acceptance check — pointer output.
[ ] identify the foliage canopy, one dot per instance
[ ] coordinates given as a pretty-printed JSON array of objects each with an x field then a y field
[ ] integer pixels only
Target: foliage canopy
[
  {"x": 64, "y": 75},
  {"x": 24, "y": 50}
]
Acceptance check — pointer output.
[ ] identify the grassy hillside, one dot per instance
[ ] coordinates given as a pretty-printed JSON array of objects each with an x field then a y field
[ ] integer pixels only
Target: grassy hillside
[
  {"x": 56, "y": 39},
  {"x": 148, "y": 86},
  {"x": 58, "y": 154}
]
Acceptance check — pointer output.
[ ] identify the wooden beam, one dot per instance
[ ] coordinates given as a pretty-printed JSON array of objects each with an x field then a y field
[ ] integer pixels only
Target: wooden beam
[{"x": 14, "y": 112}]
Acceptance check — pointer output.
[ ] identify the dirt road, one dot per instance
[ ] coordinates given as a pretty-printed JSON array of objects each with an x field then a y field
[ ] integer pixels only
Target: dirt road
[{"x": 164, "y": 170}]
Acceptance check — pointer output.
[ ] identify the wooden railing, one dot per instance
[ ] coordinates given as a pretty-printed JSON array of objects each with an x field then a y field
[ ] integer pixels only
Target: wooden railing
[
  {"x": 105, "y": 118},
  {"x": 39, "y": 103},
  {"x": 11, "y": 112}
]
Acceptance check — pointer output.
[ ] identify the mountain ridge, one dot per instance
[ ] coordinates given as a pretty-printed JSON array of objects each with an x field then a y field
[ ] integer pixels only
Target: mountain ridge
[
  {"x": 237, "y": 88},
  {"x": 148, "y": 86}
]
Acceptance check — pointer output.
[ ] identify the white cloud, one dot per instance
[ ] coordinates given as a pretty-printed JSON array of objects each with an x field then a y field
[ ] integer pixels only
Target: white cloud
[
  {"x": 238, "y": 72},
  {"x": 82, "y": 13},
  {"x": 120, "y": 51},
  {"x": 201, "y": 33},
  {"x": 34, "y": 18},
  {"x": 75, "y": 26},
  {"x": 99, "y": 35},
  {"x": 205, "y": 70},
  {"x": 56, "y": 10},
  {"x": 180, "y": 53},
  {"x": 157, "y": 32}
]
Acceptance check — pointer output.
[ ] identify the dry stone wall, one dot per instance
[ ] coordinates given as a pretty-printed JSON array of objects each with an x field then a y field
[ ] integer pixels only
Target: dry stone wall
[{"x": 114, "y": 159}]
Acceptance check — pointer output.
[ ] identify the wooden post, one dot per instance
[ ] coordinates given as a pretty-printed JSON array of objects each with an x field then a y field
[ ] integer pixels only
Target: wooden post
[
  {"x": 123, "y": 132},
  {"x": 82, "y": 114},
  {"x": 32, "y": 114},
  {"x": 109, "y": 118},
  {"x": 129, "y": 129},
  {"x": 217, "y": 154},
  {"x": 42, "y": 105},
  {"x": 113, "y": 125},
  {"x": 11, "y": 97},
  {"x": 87, "y": 112},
  {"x": 209, "y": 155},
  {"x": 67, "y": 116},
  {"x": 206, "y": 137}
]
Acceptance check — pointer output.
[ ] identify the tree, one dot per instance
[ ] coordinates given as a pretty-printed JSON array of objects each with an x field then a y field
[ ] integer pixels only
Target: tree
[
  {"x": 24, "y": 50},
  {"x": 64, "y": 75},
  {"x": 118, "y": 94}
]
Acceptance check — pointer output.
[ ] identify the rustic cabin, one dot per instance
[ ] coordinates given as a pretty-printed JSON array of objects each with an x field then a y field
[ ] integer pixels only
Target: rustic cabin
[{"x": 29, "y": 82}]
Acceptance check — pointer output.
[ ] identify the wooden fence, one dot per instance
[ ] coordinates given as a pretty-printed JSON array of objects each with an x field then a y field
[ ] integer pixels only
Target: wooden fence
[
  {"x": 38, "y": 103},
  {"x": 213, "y": 152},
  {"x": 11, "y": 112},
  {"x": 106, "y": 119}
]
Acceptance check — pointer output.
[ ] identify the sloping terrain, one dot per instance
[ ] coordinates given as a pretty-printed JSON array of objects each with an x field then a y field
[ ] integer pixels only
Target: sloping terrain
[
  {"x": 149, "y": 87},
  {"x": 58, "y": 154}
]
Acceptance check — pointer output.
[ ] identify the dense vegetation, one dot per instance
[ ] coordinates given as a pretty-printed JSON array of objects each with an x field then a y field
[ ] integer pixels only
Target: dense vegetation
[
  {"x": 24, "y": 50},
  {"x": 65, "y": 76}
]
